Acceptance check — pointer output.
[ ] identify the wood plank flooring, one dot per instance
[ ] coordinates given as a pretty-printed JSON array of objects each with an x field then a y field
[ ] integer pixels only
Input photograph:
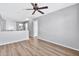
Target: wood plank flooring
[{"x": 34, "y": 47}]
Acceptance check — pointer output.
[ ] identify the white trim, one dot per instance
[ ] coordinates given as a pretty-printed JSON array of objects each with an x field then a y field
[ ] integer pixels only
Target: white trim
[
  {"x": 59, "y": 44},
  {"x": 13, "y": 41}
]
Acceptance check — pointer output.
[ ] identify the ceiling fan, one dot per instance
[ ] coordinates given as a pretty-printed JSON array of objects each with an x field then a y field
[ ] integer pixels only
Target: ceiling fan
[{"x": 36, "y": 8}]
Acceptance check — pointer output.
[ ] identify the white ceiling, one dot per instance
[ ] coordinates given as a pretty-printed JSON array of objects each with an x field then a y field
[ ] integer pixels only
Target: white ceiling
[{"x": 15, "y": 11}]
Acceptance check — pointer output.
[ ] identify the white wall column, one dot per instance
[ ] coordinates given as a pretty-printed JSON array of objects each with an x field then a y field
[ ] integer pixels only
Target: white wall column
[{"x": 33, "y": 28}]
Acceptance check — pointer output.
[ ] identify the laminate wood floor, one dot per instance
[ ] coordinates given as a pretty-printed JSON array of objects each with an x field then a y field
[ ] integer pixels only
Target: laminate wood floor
[{"x": 34, "y": 47}]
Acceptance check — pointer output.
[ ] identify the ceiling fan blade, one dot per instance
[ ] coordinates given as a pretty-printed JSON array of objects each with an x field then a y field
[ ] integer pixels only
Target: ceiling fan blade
[
  {"x": 41, "y": 12},
  {"x": 33, "y": 4},
  {"x": 46, "y": 7},
  {"x": 33, "y": 12},
  {"x": 28, "y": 9}
]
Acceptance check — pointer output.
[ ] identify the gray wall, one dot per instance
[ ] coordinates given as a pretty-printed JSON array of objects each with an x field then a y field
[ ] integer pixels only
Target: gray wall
[
  {"x": 61, "y": 27},
  {"x": 30, "y": 27},
  {"x": 2, "y": 24},
  {"x": 33, "y": 27}
]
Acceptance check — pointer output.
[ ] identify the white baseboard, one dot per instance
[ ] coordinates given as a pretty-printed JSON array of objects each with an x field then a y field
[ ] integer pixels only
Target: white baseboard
[
  {"x": 13, "y": 41},
  {"x": 58, "y": 44}
]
